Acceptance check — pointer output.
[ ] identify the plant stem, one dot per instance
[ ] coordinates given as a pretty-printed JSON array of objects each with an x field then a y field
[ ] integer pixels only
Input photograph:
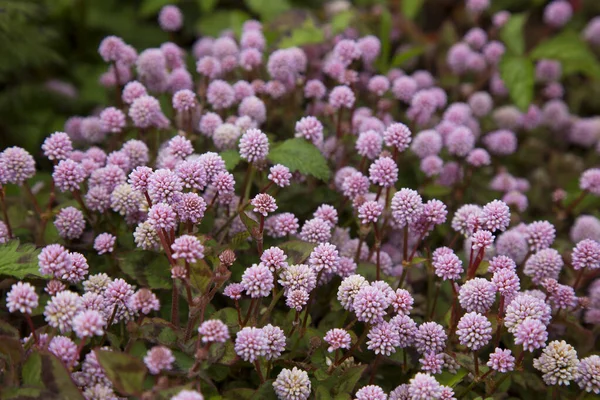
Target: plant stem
[
  {"x": 260, "y": 374},
  {"x": 175, "y": 305},
  {"x": 34, "y": 201},
  {"x": 109, "y": 323},
  {"x": 252, "y": 303},
  {"x": 374, "y": 368},
  {"x": 310, "y": 300},
  {"x": 578, "y": 279},
  {"x": 32, "y": 328},
  {"x": 5, "y": 213},
  {"x": 476, "y": 361},
  {"x": 259, "y": 240}
]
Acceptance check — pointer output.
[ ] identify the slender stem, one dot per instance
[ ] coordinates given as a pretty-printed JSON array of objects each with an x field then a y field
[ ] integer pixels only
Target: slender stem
[
  {"x": 246, "y": 185},
  {"x": 260, "y": 374},
  {"x": 520, "y": 358},
  {"x": 405, "y": 244},
  {"x": 259, "y": 240},
  {"x": 5, "y": 213},
  {"x": 402, "y": 277},
  {"x": 310, "y": 300},
  {"x": 435, "y": 298},
  {"x": 32, "y": 328},
  {"x": 295, "y": 323},
  {"x": 175, "y": 304},
  {"x": 338, "y": 130},
  {"x": 576, "y": 202},
  {"x": 578, "y": 279},
  {"x": 499, "y": 320},
  {"x": 109, "y": 323},
  {"x": 252, "y": 303},
  {"x": 79, "y": 199},
  {"x": 357, "y": 254},
  {"x": 377, "y": 249},
  {"x": 274, "y": 301},
  {"x": 404, "y": 360},
  {"x": 374, "y": 368},
  {"x": 353, "y": 348},
  {"x": 239, "y": 312},
  {"x": 162, "y": 235},
  {"x": 36, "y": 205},
  {"x": 414, "y": 250},
  {"x": 476, "y": 361}
]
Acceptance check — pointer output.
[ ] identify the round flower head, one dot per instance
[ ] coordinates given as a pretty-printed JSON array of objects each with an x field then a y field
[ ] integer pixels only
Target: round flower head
[
  {"x": 144, "y": 111},
  {"x": 383, "y": 338},
  {"x": 64, "y": 349},
  {"x": 406, "y": 206},
  {"x": 113, "y": 119},
  {"x": 118, "y": 294},
  {"x": 251, "y": 343},
  {"x": 369, "y": 212},
  {"x": 525, "y": 306},
  {"x": 132, "y": 91},
  {"x": 254, "y": 145},
  {"x": 125, "y": 200},
  {"x": 378, "y": 84},
  {"x": 70, "y": 223},
  {"x": 355, "y": 184},
  {"x": 188, "y": 248},
  {"x": 370, "y": 304},
  {"x": 226, "y": 136},
  {"x": 460, "y": 141},
  {"x": 170, "y": 18},
  {"x": 264, "y": 204},
  {"x": 296, "y": 299},
  {"x": 213, "y": 331},
  {"x": 532, "y": 334},
  {"x": 430, "y": 337},
  {"x": 558, "y": 363},
  {"x": 137, "y": 151},
  {"x": 588, "y": 373},
  {"x": 162, "y": 216},
  {"x": 57, "y": 146},
  {"x": 220, "y": 94},
  {"x": 275, "y": 341},
  {"x": 254, "y": 108},
  {"x": 21, "y": 298},
  {"x": 371, "y": 392},
  {"x": 310, "y": 128},
  {"x": 88, "y": 323},
  {"x": 341, "y": 97},
  {"x": 292, "y": 384},
  {"x": 501, "y": 360},
  {"x": 348, "y": 290},
  {"x": 257, "y": 281},
  {"x": 558, "y": 13},
  {"x": 280, "y": 175},
  {"x": 324, "y": 257},
  {"x": 590, "y": 181},
  {"x": 432, "y": 363},
  {"x": 397, "y": 135},
  {"x": 586, "y": 254},
  {"x": 512, "y": 244},
  {"x": 234, "y": 291},
  {"x": 477, "y": 295},
  {"x": 144, "y": 301},
  {"x": 298, "y": 276},
  {"x": 431, "y": 165},
  {"x": 447, "y": 265},
  {"x": 224, "y": 183},
  {"x": 316, "y": 230},
  {"x": 158, "y": 359},
  {"x": 192, "y": 173},
  {"x": 502, "y": 142},
  {"x": 54, "y": 260},
  {"x": 426, "y": 143},
  {"x": 68, "y": 175},
  {"x": 281, "y": 225},
  {"x": 61, "y": 309},
  {"x": 496, "y": 216},
  {"x": 506, "y": 281},
  {"x": 546, "y": 263},
  {"x": 424, "y": 387},
  {"x": 369, "y": 47},
  {"x": 474, "y": 331},
  {"x": 407, "y": 328},
  {"x": 188, "y": 395},
  {"x": 274, "y": 258},
  {"x": 337, "y": 339},
  {"x": 184, "y": 100},
  {"x": 164, "y": 185},
  {"x": 383, "y": 172},
  {"x": 209, "y": 66},
  {"x": 404, "y": 88},
  {"x": 104, "y": 243},
  {"x": 209, "y": 123},
  {"x": 482, "y": 240},
  {"x": 110, "y": 48}
]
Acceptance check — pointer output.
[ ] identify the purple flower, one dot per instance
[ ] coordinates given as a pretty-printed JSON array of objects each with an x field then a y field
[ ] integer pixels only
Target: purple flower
[
  {"x": 254, "y": 108},
  {"x": 234, "y": 291},
  {"x": 209, "y": 123},
  {"x": 558, "y": 13},
  {"x": 132, "y": 91},
  {"x": 251, "y": 343},
  {"x": 88, "y": 323},
  {"x": 57, "y": 146},
  {"x": 220, "y": 94},
  {"x": 61, "y": 309},
  {"x": 179, "y": 146},
  {"x": 158, "y": 359},
  {"x": 104, "y": 243},
  {"x": 337, "y": 339},
  {"x": 546, "y": 263},
  {"x": 341, "y": 97},
  {"x": 477, "y": 295},
  {"x": 496, "y": 216},
  {"x": 369, "y": 144},
  {"x": 257, "y": 281},
  {"x": 383, "y": 338},
  {"x": 213, "y": 331},
  {"x": 138, "y": 178},
  {"x": 188, "y": 248},
  {"x": 254, "y": 145},
  {"x": 588, "y": 371},
  {"x": 144, "y": 111},
  {"x": 430, "y": 337},
  {"x": 432, "y": 363},
  {"x": 406, "y": 206},
  {"x": 324, "y": 257},
  {"x": 54, "y": 260},
  {"x": 144, "y": 301},
  {"x": 482, "y": 239},
  {"x": 184, "y": 100},
  {"x": 264, "y": 204},
  {"x": 280, "y": 175},
  {"x": 22, "y": 298},
  {"x": 506, "y": 281},
  {"x": 447, "y": 265},
  {"x": 404, "y": 88},
  {"x": 315, "y": 230},
  {"x": 397, "y": 135},
  {"x": 501, "y": 360},
  {"x": 525, "y": 306},
  {"x": 460, "y": 141},
  {"x": 369, "y": 47},
  {"x": 68, "y": 175},
  {"x": 532, "y": 334},
  {"x": 296, "y": 299},
  {"x": 370, "y": 304},
  {"x": 70, "y": 223},
  {"x": 558, "y": 363},
  {"x": 64, "y": 349},
  {"x": 371, "y": 392},
  {"x": 502, "y": 142},
  {"x": 162, "y": 216},
  {"x": 424, "y": 387},
  {"x": 431, "y": 165},
  {"x": 369, "y": 212},
  {"x": 407, "y": 328},
  {"x": 355, "y": 184},
  {"x": 170, "y": 18},
  {"x": 118, "y": 295},
  {"x": 292, "y": 384},
  {"x": 274, "y": 258},
  {"x": 164, "y": 185},
  {"x": 192, "y": 173},
  {"x": 281, "y": 225},
  {"x": 275, "y": 341},
  {"x": 188, "y": 395},
  {"x": 383, "y": 172},
  {"x": 298, "y": 276},
  {"x": 310, "y": 128},
  {"x": 427, "y": 143},
  {"x": 586, "y": 254},
  {"x": 474, "y": 331}
]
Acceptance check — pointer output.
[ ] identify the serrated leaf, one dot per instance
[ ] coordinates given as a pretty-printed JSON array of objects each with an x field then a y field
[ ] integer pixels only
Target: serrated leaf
[
  {"x": 518, "y": 75},
  {"x": 18, "y": 261},
  {"x": 410, "y": 8},
  {"x": 300, "y": 155},
  {"x": 512, "y": 34},
  {"x": 268, "y": 9},
  {"x": 571, "y": 51},
  {"x": 306, "y": 34},
  {"x": 297, "y": 250},
  {"x": 232, "y": 159},
  {"x": 126, "y": 372}
]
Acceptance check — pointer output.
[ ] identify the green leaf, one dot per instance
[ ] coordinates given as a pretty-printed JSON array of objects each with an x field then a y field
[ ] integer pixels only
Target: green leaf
[
  {"x": 18, "y": 261},
  {"x": 434, "y": 190},
  {"x": 407, "y": 55},
  {"x": 297, "y": 250},
  {"x": 449, "y": 379},
  {"x": 349, "y": 378},
  {"x": 512, "y": 34},
  {"x": 126, "y": 372},
  {"x": 266, "y": 391},
  {"x": 308, "y": 33},
  {"x": 341, "y": 21},
  {"x": 207, "y": 6},
  {"x": 248, "y": 222},
  {"x": 518, "y": 75},
  {"x": 239, "y": 394},
  {"x": 300, "y": 155},
  {"x": 231, "y": 158},
  {"x": 268, "y": 9},
  {"x": 214, "y": 23},
  {"x": 385, "y": 29},
  {"x": 410, "y": 8},
  {"x": 571, "y": 51},
  {"x": 56, "y": 379},
  {"x": 147, "y": 269},
  {"x": 32, "y": 370},
  {"x": 150, "y": 7}
]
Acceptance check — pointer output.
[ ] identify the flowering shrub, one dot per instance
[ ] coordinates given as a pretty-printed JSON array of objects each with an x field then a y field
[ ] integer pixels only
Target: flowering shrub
[{"x": 311, "y": 221}]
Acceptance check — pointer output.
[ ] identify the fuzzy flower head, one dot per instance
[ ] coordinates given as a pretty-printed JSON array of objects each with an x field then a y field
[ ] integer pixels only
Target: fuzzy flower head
[
  {"x": 57, "y": 146},
  {"x": 337, "y": 339},
  {"x": 558, "y": 363},
  {"x": 501, "y": 360},
  {"x": 430, "y": 337},
  {"x": 424, "y": 387},
  {"x": 213, "y": 331},
  {"x": 264, "y": 204},
  {"x": 474, "y": 330},
  {"x": 477, "y": 295},
  {"x": 292, "y": 384},
  {"x": 70, "y": 223},
  {"x": 369, "y": 212},
  {"x": 383, "y": 172},
  {"x": 406, "y": 206},
  {"x": 21, "y": 298},
  {"x": 432, "y": 363},
  {"x": 188, "y": 248},
  {"x": 162, "y": 216},
  {"x": 370, "y": 304},
  {"x": 61, "y": 309},
  {"x": 586, "y": 254},
  {"x": 188, "y": 395},
  {"x": 68, "y": 175},
  {"x": 398, "y": 136},
  {"x": 383, "y": 338},
  {"x": 144, "y": 301},
  {"x": 170, "y": 18},
  {"x": 447, "y": 265},
  {"x": 315, "y": 230},
  {"x": 88, "y": 323},
  {"x": 254, "y": 145},
  {"x": 251, "y": 343},
  {"x": 588, "y": 374},
  {"x": 280, "y": 175},
  {"x": 54, "y": 260},
  {"x": 341, "y": 97},
  {"x": 370, "y": 392},
  {"x": 164, "y": 186},
  {"x": 158, "y": 359},
  {"x": 296, "y": 299},
  {"x": 275, "y": 341},
  {"x": 348, "y": 290}
]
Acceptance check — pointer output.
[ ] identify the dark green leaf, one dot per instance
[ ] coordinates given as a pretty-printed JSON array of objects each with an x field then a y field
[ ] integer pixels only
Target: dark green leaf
[
  {"x": 8, "y": 330},
  {"x": 266, "y": 391},
  {"x": 248, "y": 222},
  {"x": 518, "y": 75},
  {"x": 297, "y": 250},
  {"x": 410, "y": 8},
  {"x": 341, "y": 21},
  {"x": 308, "y": 33},
  {"x": 322, "y": 392},
  {"x": 18, "y": 261},
  {"x": 300, "y": 155},
  {"x": 512, "y": 34},
  {"x": 434, "y": 190},
  {"x": 150, "y": 7},
  {"x": 231, "y": 158},
  {"x": 200, "y": 276},
  {"x": 239, "y": 394},
  {"x": 32, "y": 370},
  {"x": 385, "y": 29},
  {"x": 147, "y": 269},
  {"x": 207, "y": 6},
  {"x": 571, "y": 51},
  {"x": 268, "y": 9},
  {"x": 407, "y": 55},
  {"x": 449, "y": 379},
  {"x": 214, "y": 23},
  {"x": 57, "y": 380},
  {"x": 349, "y": 378},
  {"x": 126, "y": 372}
]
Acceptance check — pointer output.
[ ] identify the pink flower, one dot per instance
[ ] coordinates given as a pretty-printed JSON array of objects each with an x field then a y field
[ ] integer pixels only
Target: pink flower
[
  {"x": 22, "y": 298},
  {"x": 213, "y": 331},
  {"x": 337, "y": 339}
]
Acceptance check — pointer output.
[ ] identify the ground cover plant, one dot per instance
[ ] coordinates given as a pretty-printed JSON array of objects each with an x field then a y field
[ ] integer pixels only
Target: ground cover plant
[{"x": 342, "y": 202}]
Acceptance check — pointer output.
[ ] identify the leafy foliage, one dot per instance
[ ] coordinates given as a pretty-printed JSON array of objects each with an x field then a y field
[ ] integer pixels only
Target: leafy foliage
[
  {"x": 300, "y": 155},
  {"x": 18, "y": 260}
]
